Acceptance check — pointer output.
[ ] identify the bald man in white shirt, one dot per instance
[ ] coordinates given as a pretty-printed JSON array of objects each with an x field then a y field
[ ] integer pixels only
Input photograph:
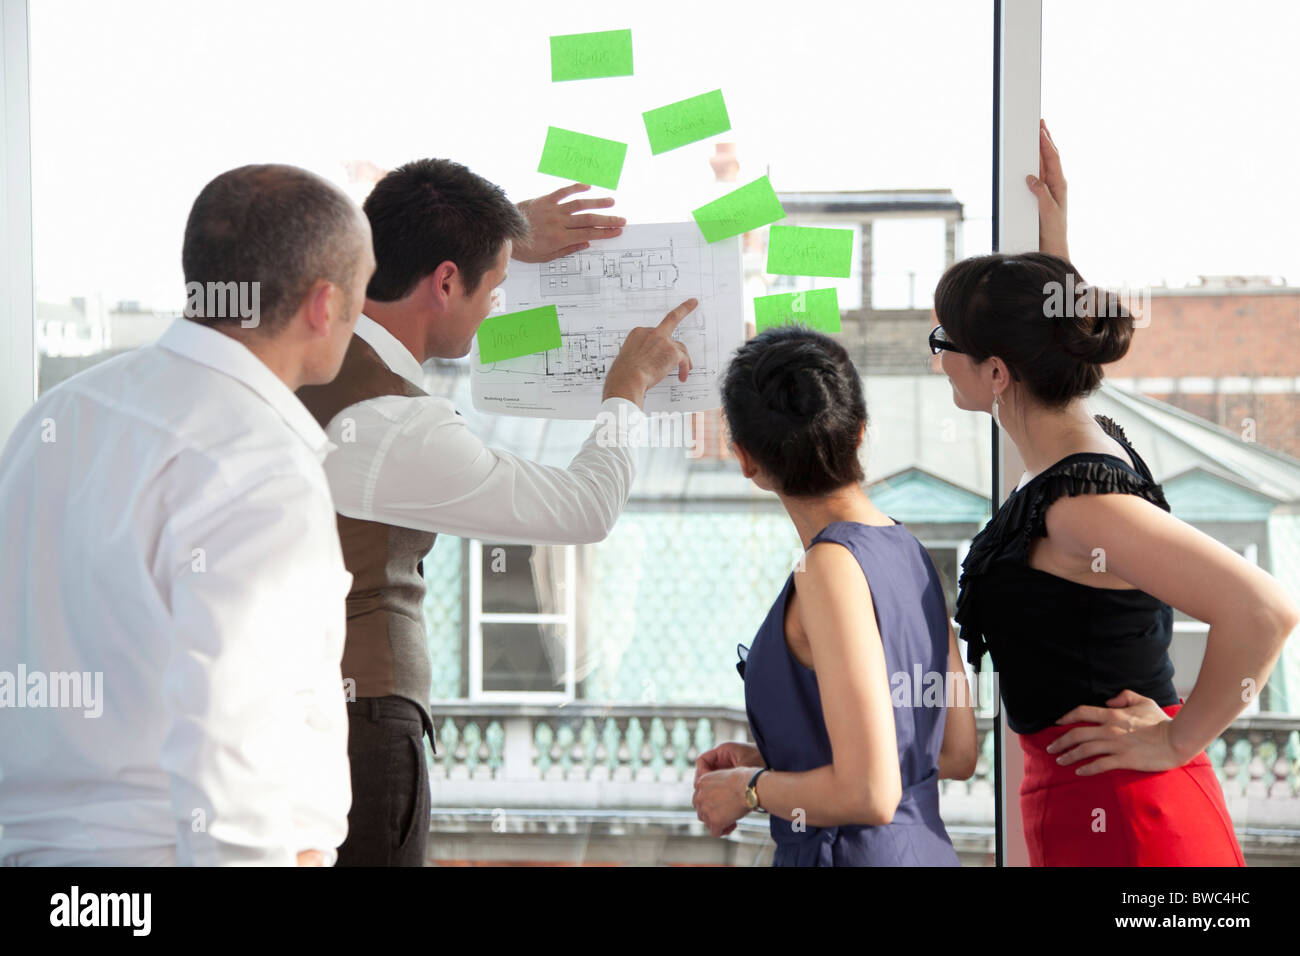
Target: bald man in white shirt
[{"x": 170, "y": 547}]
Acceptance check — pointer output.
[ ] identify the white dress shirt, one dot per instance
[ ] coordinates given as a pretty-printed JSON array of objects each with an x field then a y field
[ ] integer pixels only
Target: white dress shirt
[
  {"x": 166, "y": 524},
  {"x": 414, "y": 463}
]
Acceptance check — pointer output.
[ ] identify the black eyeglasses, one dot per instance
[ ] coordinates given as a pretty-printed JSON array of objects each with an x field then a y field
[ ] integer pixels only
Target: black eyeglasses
[{"x": 939, "y": 341}]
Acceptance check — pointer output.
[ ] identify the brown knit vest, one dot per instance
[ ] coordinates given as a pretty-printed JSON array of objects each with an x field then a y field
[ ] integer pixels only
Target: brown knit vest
[{"x": 386, "y": 651}]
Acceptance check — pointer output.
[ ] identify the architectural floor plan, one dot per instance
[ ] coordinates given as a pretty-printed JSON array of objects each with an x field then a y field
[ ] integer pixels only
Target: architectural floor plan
[{"x": 601, "y": 293}]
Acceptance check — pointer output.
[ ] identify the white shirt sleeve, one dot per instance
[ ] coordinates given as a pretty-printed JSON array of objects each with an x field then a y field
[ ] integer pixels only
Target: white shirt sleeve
[
  {"x": 256, "y": 744},
  {"x": 414, "y": 463}
]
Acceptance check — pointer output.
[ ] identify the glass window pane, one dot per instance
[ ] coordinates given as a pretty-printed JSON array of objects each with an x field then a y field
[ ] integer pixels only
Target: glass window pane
[
  {"x": 521, "y": 657},
  {"x": 508, "y": 586},
  {"x": 863, "y": 116}
]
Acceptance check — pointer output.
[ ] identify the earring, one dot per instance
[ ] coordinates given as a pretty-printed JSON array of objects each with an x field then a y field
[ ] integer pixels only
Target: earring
[{"x": 996, "y": 420}]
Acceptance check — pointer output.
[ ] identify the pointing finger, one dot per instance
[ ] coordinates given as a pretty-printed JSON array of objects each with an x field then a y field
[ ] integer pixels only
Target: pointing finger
[{"x": 670, "y": 321}]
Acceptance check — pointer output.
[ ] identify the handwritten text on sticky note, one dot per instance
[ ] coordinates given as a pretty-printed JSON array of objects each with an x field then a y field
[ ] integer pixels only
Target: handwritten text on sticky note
[
  {"x": 582, "y": 158},
  {"x": 804, "y": 251},
  {"x": 589, "y": 56},
  {"x": 741, "y": 210},
  {"x": 816, "y": 308},
  {"x": 518, "y": 333},
  {"x": 686, "y": 121}
]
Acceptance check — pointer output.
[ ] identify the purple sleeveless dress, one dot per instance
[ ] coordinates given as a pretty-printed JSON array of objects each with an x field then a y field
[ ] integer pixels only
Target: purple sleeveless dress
[{"x": 785, "y": 712}]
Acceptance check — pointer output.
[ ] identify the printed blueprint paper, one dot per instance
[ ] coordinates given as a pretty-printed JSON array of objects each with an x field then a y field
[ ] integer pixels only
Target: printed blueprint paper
[{"x": 602, "y": 292}]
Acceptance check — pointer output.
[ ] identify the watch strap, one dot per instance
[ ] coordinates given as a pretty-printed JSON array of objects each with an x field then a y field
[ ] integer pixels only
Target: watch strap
[{"x": 753, "y": 784}]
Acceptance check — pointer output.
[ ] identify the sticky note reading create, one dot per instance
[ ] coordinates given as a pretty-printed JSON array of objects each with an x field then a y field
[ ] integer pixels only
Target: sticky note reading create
[
  {"x": 739, "y": 211},
  {"x": 589, "y": 56},
  {"x": 582, "y": 158},
  {"x": 803, "y": 251},
  {"x": 518, "y": 333},
  {"x": 817, "y": 308},
  {"x": 686, "y": 121}
]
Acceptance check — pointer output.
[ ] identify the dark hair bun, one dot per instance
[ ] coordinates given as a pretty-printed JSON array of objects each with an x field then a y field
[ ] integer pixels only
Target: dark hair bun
[
  {"x": 1100, "y": 329},
  {"x": 790, "y": 381},
  {"x": 793, "y": 400}
]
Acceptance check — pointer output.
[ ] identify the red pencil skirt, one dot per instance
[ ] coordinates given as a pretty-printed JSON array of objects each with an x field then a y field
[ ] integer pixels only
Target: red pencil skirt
[{"x": 1123, "y": 817}]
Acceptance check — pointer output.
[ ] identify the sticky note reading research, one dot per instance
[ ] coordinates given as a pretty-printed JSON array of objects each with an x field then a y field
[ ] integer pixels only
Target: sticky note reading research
[{"x": 686, "y": 121}]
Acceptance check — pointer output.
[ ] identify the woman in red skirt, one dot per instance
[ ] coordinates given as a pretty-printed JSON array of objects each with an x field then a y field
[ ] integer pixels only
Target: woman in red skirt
[{"x": 1070, "y": 586}]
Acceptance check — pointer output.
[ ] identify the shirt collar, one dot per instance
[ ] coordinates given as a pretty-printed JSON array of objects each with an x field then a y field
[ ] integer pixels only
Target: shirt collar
[
  {"x": 227, "y": 355},
  {"x": 394, "y": 354}
]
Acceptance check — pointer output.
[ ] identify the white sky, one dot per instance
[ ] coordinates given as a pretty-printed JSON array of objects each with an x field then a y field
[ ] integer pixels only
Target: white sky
[{"x": 1177, "y": 123}]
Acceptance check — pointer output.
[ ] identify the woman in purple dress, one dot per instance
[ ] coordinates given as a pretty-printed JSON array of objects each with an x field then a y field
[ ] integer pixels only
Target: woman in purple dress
[{"x": 849, "y": 743}]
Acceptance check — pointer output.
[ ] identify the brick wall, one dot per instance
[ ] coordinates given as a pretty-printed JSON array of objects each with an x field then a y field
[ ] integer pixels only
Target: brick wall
[
  {"x": 1234, "y": 334},
  {"x": 1238, "y": 334},
  {"x": 1275, "y": 418}
]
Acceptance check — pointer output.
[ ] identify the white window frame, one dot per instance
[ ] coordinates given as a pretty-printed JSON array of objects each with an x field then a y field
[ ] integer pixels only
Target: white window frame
[
  {"x": 1018, "y": 40},
  {"x": 477, "y": 617},
  {"x": 17, "y": 308}
]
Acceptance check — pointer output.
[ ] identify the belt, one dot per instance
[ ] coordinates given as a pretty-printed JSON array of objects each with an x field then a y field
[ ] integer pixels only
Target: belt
[{"x": 393, "y": 707}]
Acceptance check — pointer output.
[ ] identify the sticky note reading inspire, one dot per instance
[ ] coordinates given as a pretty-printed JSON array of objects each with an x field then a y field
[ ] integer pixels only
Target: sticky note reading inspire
[
  {"x": 739, "y": 211},
  {"x": 817, "y": 308},
  {"x": 582, "y": 158},
  {"x": 589, "y": 56},
  {"x": 518, "y": 333},
  {"x": 686, "y": 121},
  {"x": 803, "y": 251}
]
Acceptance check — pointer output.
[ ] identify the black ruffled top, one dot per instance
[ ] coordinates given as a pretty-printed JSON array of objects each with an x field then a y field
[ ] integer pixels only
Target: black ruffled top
[{"x": 1056, "y": 644}]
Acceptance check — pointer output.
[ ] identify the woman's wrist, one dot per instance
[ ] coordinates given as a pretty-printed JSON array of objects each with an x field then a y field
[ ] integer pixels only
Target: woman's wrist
[{"x": 1177, "y": 733}]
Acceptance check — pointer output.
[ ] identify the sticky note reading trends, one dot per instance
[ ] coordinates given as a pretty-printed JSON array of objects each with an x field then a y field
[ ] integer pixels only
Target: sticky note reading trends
[
  {"x": 817, "y": 308},
  {"x": 686, "y": 121},
  {"x": 804, "y": 251},
  {"x": 582, "y": 158},
  {"x": 739, "y": 211},
  {"x": 518, "y": 333},
  {"x": 589, "y": 56}
]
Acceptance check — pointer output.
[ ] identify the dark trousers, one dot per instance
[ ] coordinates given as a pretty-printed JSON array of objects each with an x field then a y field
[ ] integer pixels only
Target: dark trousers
[{"x": 388, "y": 824}]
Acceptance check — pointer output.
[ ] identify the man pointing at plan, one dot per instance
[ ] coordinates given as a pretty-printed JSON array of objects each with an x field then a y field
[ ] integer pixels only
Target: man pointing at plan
[{"x": 407, "y": 466}]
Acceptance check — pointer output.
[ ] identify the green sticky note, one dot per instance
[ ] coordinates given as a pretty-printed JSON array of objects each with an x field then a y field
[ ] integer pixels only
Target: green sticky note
[
  {"x": 589, "y": 56},
  {"x": 686, "y": 121},
  {"x": 518, "y": 333},
  {"x": 804, "y": 251},
  {"x": 582, "y": 158},
  {"x": 817, "y": 308},
  {"x": 739, "y": 211}
]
